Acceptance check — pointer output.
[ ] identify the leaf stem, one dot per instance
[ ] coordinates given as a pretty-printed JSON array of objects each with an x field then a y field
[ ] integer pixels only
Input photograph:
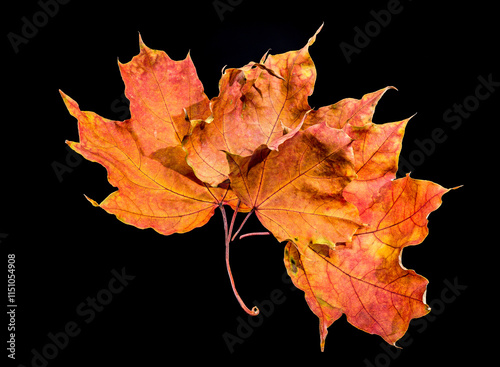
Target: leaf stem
[
  {"x": 224, "y": 217},
  {"x": 254, "y": 311},
  {"x": 242, "y": 223},
  {"x": 233, "y": 218},
  {"x": 254, "y": 234}
]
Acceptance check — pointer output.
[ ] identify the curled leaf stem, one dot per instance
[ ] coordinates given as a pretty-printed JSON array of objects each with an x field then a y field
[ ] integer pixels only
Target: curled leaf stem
[{"x": 254, "y": 311}]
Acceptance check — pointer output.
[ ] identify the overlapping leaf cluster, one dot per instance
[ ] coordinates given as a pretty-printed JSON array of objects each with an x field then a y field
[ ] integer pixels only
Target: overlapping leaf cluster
[{"x": 323, "y": 180}]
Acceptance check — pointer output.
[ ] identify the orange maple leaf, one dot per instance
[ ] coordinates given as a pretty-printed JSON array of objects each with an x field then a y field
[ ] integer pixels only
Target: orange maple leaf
[
  {"x": 158, "y": 191},
  {"x": 364, "y": 278},
  {"x": 255, "y": 104},
  {"x": 296, "y": 191},
  {"x": 165, "y": 95}
]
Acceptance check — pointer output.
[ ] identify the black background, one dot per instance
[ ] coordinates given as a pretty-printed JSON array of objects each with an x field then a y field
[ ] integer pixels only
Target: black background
[{"x": 180, "y": 302}]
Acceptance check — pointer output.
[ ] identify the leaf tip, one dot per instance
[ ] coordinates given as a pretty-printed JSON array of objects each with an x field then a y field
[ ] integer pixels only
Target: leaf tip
[
  {"x": 142, "y": 45},
  {"x": 70, "y": 103},
  {"x": 396, "y": 346},
  {"x": 93, "y": 202},
  {"x": 313, "y": 38},
  {"x": 263, "y": 59},
  {"x": 64, "y": 96},
  {"x": 141, "y": 42}
]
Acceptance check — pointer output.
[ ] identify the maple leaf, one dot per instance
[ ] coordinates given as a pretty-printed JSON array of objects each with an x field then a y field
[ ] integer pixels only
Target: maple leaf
[
  {"x": 323, "y": 180},
  {"x": 158, "y": 191},
  {"x": 255, "y": 104},
  {"x": 364, "y": 278},
  {"x": 164, "y": 96},
  {"x": 296, "y": 191}
]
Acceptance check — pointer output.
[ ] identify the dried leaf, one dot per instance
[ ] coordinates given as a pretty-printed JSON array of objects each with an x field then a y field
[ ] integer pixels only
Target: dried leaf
[
  {"x": 254, "y": 104},
  {"x": 162, "y": 92},
  {"x": 365, "y": 278},
  {"x": 158, "y": 191},
  {"x": 296, "y": 192}
]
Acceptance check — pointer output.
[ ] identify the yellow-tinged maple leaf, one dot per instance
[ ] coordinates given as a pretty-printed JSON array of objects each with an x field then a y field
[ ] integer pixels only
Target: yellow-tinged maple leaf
[{"x": 158, "y": 191}]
